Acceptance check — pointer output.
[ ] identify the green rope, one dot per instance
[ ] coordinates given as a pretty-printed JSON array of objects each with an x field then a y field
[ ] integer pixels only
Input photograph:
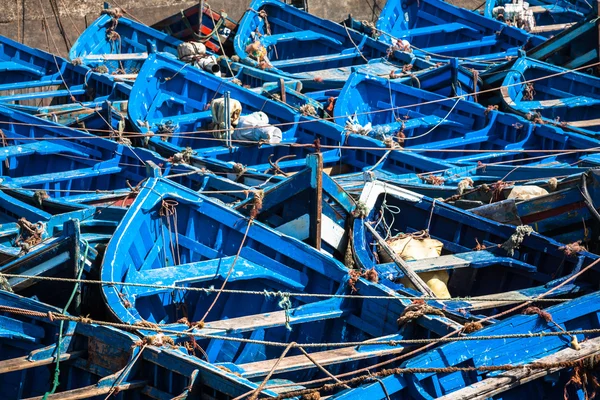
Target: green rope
[{"x": 56, "y": 380}]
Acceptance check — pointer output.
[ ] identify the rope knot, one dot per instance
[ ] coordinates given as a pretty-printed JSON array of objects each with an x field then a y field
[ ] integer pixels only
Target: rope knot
[
  {"x": 515, "y": 240},
  {"x": 415, "y": 310},
  {"x": 572, "y": 249},
  {"x": 545, "y": 315},
  {"x": 308, "y": 109}
]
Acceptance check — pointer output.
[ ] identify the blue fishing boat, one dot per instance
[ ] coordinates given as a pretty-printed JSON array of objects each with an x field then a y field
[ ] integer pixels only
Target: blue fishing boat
[
  {"x": 541, "y": 17},
  {"x": 118, "y": 45},
  {"x": 552, "y": 94},
  {"x": 567, "y": 214},
  {"x": 575, "y": 47},
  {"x": 459, "y": 254},
  {"x": 473, "y": 186},
  {"x": 440, "y": 30},
  {"x": 309, "y": 206},
  {"x": 560, "y": 351},
  {"x": 199, "y": 245},
  {"x": 214, "y": 30},
  {"x": 292, "y": 43},
  {"x": 174, "y": 115},
  {"x": 451, "y": 130},
  {"x": 78, "y": 360}
]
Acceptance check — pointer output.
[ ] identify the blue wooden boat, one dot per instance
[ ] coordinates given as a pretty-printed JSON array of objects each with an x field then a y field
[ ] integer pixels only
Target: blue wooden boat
[
  {"x": 567, "y": 214},
  {"x": 208, "y": 244},
  {"x": 118, "y": 45},
  {"x": 575, "y": 47},
  {"x": 295, "y": 44},
  {"x": 176, "y": 112},
  {"x": 479, "y": 257},
  {"x": 541, "y": 17},
  {"x": 568, "y": 100},
  {"x": 451, "y": 130},
  {"x": 516, "y": 384},
  {"x": 214, "y": 31},
  {"x": 441, "y": 30},
  {"x": 309, "y": 206},
  {"x": 95, "y": 361},
  {"x": 32, "y": 77},
  {"x": 469, "y": 187}
]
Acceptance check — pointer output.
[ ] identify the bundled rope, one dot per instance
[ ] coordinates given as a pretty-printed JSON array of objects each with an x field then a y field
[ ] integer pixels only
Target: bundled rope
[
  {"x": 417, "y": 309},
  {"x": 515, "y": 240},
  {"x": 30, "y": 235}
]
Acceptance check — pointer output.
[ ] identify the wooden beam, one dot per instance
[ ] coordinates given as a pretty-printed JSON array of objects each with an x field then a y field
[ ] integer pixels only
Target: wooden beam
[
  {"x": 22, "y": 363},
  {"x": 498, "y": 384},
  {"x": 404, "y": 267}
]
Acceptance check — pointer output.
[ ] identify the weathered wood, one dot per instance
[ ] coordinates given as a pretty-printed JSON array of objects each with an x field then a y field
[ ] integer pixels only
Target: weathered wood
[
  {"x": 406, "y": 269},
  {"x": 22, "y": 363},
  {"x": 492, "y": 386},
  {"x": 116, "y": 57},
  {"x": 315, "y": 162},
  {"x": 551, "y": 28},
  {"x": 323, "y": 358},
  {"x": 318, "y": 311},
  {"x": 91, "y": 391}
]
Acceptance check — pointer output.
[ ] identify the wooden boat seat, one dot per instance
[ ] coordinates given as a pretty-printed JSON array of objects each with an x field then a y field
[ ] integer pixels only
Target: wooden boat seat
[
  {"x": 14, "y": 329},
  {"x": 435, "y": 29},
  {"x": 471, "y": 259},
  {"x": 318, "y": 311},
  {"x": 276, "y": 22},
  {"x": 569, "y": 102},
  {"x": 489, "y": 41},
  {"x": 44, "y": 94},
  {"x": 329, "y": 156},
  {"x": 24, "y": 363},
  {"x": 302, "y": 36},
  {"x": 455, "y": 142},
  {"x": 11, "y": 66},
  {"x": 115, "y": 57},
  {"x": 210, "y": 270},
  {"x": 31, "y": 84},
  {"x": 62, "y": 176},
  {"x": 518, "y": 296},
  {"x": 474, "y": 157},
  {"x": 283, "y": 64},
  {"x": 41, "y": 147},
  {"x": 324, "y": 358},
  {"x": 170, "y": 98}
]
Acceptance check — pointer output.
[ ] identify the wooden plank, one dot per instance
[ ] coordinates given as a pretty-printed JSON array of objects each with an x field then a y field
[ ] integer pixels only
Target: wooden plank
[
  {"x": 116, "y": 57},
  {"x": 498, "y": 384},
  {"x": 323, "y": 358},
  {"x": 551, "y": 28},
  {"x": 91, "y": 391},
  {"x": 318, "y": 311},
  {"x": 22, "y": 363},
  {"x": 404, "y": 267}
]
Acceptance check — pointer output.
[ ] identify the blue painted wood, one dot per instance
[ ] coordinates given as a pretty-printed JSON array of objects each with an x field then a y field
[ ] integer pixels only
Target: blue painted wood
[
  {"x": 438, "y": 29},
  {"x": 183, "y": 100},
  {"x": 206, "y": 236},
  {"x": 574, "y": 47},
  {"x": 319, "y": 51},
  {"x": 95, "y": 361},
  {"x": 538, "y": 261},
  {"x": 574, "y": 314},
  {"x": 568, "y": 100},
  {"x": 452, "y": 130}
]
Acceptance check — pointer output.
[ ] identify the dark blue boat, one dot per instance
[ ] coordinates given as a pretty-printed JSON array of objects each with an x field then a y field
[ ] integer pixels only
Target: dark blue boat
[
  {"x": 441, "y": 30},
  {"x": 93, "y": 361},
  {"x": 575, "y": 47},
  {"x": 515, "y": 384},
  {"x": 295, "y": 44},
  {"x": 452, "y": 130},
  {"x": 203, "y": 245},
  {"x": 554, "y": 95},
  {"x": 475, "y": 257},
  {"x": 177, "y": 112}
]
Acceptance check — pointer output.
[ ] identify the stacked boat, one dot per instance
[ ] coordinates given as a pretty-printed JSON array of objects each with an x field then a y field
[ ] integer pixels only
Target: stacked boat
[{"x": 290, "y": 207}]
